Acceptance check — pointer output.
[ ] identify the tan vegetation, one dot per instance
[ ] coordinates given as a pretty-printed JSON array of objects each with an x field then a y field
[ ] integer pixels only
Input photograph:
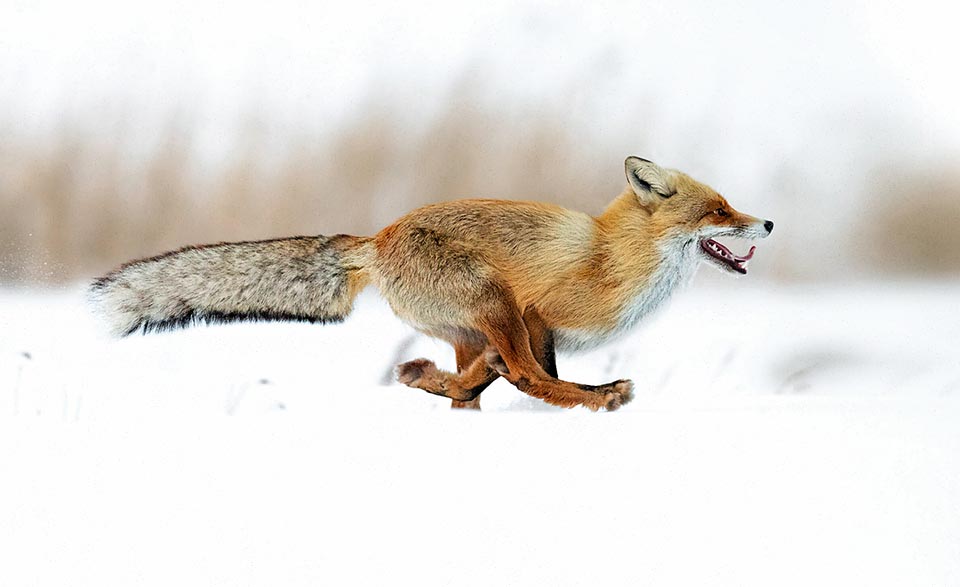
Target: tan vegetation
[
  {"x": 77, "y": 203},
  {"x": 913, "y": 223}
]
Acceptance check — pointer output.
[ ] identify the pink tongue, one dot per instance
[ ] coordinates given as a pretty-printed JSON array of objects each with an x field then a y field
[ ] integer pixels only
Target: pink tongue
[{"x": 748, "y": 257}]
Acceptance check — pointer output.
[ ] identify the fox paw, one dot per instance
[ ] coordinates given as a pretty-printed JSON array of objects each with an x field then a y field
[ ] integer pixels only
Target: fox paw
[
  {"x": 613, "y": 395},
  {"x": 413, "y": 372}
]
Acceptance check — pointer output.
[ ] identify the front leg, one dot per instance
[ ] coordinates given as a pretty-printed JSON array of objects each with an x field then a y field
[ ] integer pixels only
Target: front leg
[
  {"x": 513, "y": 356},
  {"x": 467, "y": 353},
  {"x": 541, "y": 341}
]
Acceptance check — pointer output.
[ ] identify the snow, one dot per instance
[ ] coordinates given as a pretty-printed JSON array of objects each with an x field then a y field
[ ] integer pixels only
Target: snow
[{"x": 780, "y": 435}]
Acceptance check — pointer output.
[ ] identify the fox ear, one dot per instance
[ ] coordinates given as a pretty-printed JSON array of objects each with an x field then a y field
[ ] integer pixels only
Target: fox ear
[{"x": 649, "y": 181}]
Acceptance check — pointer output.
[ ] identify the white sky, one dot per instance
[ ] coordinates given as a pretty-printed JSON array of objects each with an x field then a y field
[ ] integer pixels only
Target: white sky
[{"x": 759, "y": 64}]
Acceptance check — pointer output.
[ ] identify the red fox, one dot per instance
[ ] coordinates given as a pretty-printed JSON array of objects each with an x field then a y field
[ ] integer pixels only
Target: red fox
[{"x": 506, "y": 283}]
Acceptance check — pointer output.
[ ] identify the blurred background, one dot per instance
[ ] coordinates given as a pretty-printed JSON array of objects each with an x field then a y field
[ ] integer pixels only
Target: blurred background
[
  {"x": 127, "y": 129},
  {"x": 800, "y": 424}
]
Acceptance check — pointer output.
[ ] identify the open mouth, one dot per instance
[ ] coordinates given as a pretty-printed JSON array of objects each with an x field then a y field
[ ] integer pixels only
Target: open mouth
[{"x": 725, "y": 256}]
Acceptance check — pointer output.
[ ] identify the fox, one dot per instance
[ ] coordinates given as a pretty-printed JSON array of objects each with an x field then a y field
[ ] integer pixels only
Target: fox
[{"x": 507, "y": 283}]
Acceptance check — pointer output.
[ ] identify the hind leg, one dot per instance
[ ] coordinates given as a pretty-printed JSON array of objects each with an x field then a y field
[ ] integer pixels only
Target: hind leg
[
  {"x": 464, "y": 387},
  {"x": 423, "y": 374}
]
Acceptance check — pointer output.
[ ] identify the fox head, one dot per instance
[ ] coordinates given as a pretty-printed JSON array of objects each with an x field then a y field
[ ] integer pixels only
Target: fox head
[{"x": 693, "y": 214}]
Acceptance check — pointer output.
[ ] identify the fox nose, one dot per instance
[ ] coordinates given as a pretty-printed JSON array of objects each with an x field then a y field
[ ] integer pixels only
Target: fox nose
[{"x": 769, "y": 226}]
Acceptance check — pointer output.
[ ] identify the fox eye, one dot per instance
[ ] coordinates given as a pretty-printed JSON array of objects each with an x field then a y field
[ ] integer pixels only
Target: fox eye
[{"x": 721, "y": 212}]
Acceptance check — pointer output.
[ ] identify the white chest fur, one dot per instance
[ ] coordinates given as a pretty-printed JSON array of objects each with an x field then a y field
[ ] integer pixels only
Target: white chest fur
[{"x": 677, "y": 267}]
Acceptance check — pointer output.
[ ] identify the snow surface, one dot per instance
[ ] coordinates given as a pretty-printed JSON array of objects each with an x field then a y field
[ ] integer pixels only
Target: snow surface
[{"x": 780, "y": 436}]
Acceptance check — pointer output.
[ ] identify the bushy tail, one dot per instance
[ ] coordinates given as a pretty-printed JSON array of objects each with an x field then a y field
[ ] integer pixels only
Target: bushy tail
[{"x": 311, "y": 279}]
